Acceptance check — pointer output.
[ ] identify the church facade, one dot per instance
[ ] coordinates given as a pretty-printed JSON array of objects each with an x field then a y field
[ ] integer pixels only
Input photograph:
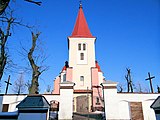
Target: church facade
[{"x": 82, "y": 69}]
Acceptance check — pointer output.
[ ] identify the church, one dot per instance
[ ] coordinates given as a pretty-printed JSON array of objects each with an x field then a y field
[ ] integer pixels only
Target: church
[
  {"x": 91, "y": 91},
  {"x": 82, "y": 68},
  {"x": 81, "y": 89}
]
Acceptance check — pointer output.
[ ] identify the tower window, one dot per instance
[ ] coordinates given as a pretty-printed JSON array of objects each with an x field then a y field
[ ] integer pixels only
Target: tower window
[
  {"x": 64, "y": 77},
  {"x": 79, "y": 46},
  {"x": 81, "y": 56},
  {"x": 81, "y": 78},
  {"x": 84, "y": 46},
  {"x": 97, "y": 101}
]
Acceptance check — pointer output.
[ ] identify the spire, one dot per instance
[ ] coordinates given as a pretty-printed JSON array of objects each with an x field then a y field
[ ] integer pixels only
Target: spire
[{"x": 81, "y": 28}]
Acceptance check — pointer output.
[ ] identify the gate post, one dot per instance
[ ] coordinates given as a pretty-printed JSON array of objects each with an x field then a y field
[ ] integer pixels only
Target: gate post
[
  {"x": 110, "y": 99},
  {"x": 66, "y": 100}
]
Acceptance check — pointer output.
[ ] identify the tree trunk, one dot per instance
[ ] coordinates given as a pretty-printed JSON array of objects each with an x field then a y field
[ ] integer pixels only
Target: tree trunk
[{"x": 35, "y": 69}]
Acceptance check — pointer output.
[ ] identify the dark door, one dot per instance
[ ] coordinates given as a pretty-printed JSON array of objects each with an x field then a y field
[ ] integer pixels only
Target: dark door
[
  {"x": 82, "y": 104},
  {"x": 136, "y": 111},
  {"x": 5, "y": 108}
]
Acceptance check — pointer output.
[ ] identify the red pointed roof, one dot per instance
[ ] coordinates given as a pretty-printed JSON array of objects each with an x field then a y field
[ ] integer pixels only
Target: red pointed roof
[
  {"x": 97, "y": 66},
  {"x": 64, "y": 68},
  {"x": 81, "y": 28}
]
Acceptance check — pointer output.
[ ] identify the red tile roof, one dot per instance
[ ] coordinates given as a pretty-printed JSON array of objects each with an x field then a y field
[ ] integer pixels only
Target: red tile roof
[
  {"x": 81, "y": 28},
  {"x": 97, "y": 66},
  {"x": 64, "y": 68}
]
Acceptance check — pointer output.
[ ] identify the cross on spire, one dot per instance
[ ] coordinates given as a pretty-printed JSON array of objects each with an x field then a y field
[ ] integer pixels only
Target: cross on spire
[
  {"x": 8, "y": 83},
  {"x": 80, "y": 4},
  {"x": 150, "y": 80}
]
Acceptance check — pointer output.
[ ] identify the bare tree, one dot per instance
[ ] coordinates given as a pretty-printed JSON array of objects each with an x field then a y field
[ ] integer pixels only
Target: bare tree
[
  {"x": 4, "y": 34},
  {"x": 8, "y": 21},
  {"x": 120, "y": 88},
  {"x": 28, "y": 85},
  {"x": 4, "y": 4},
  {"x": 34, "y": 2},
  {"x": 19, "y": 85},
  {"x": 139, "y": 88},
  {"x": 129, "y": 80},
  {"x": 36, "y": 70}
]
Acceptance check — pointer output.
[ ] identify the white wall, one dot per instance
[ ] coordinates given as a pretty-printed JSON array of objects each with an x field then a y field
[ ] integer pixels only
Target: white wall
[
  {"x": 146, "y": 99},
  {"x": 12, "y": 100},
  {"x": 50, "y": 97},
  {"x": 117, "y": 104},
  {"x": 65, "y": 99}
]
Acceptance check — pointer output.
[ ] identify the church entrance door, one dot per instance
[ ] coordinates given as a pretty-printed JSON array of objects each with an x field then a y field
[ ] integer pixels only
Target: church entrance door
[{"x": 82, "y": 104}]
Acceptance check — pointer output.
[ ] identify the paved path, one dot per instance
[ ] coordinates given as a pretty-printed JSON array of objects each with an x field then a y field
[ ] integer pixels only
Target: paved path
[{"x": 83, "y": 116}]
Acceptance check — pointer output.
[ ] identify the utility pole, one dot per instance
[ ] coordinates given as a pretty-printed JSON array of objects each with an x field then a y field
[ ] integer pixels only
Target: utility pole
[
  {"x": 150, "y": 80},
  {"x": 8, "y": 83}
]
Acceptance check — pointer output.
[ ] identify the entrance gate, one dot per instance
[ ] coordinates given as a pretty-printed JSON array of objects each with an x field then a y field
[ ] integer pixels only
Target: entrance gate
[{"x": 82, "y": 104}]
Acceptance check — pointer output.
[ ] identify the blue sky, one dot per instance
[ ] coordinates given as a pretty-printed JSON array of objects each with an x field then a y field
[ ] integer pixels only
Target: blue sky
[{"x": 127, "y": 34}]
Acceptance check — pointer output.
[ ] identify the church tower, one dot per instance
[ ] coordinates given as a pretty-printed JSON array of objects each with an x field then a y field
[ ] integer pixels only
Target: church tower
[
  {"x": 82, "y": 68},
  {"x": 81, "y": 52}
]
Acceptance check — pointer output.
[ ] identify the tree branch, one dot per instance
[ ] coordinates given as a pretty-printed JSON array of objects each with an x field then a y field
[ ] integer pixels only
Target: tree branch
[
  {"x": 32, "y": 1},
  {"x": 3, "y": 5}
]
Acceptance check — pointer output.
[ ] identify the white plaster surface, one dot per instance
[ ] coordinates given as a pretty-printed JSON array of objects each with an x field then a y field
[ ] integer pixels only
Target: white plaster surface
[
  {"x": 65, "y": 99},
  {"x": 82, "y": 67},
  {"x": 117, "y": 104},
  {"x": 12, "y": 100},
  {"x": 66, "y": 104}
]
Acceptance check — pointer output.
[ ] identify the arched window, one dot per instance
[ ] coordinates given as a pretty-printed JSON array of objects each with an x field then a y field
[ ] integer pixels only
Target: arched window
[
  {"x": 81, "y": 56},
  {"x": 64, "y": 77},
  {"x": 79, "y": 46},
  {"x": 84, "y": 46}
]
